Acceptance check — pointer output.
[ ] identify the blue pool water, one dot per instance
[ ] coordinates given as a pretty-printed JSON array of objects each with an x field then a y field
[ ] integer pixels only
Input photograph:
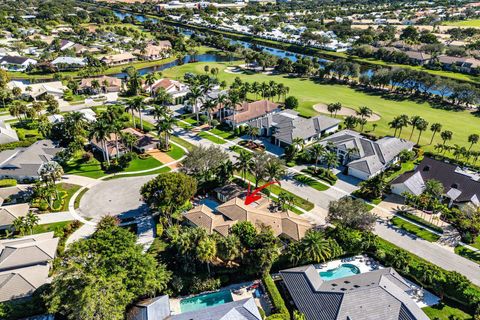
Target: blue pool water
[
  {"x": 212, "y": 204},
  {"x": 205, "y": 300},
  {"x": 345, "y": 270}
]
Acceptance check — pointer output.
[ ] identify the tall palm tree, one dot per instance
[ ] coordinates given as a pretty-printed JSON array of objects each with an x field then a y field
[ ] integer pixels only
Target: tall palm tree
[
  {"x": 274, "y": 170},
  {"x": 446, "y": 135},
  {"x": 233, "y": 102},
  {"x": 473, "y": 139},
  {"x": 316, "y": 151},
  {"x": 194, "y": 97},
  {"x": 163, "y": 98},
  {"x": 435, "y": 127},
  {"x": 31, "y": 221},
  {"x": 315, "y": 248},
  {"x": 150, "y": 79},
  {"x": 209, "y": 106},
  {"x": 298, "y": 143},
  {"x": 96, "y": 85},
  {"x": 136, "y": 105},
  {"x": 206, "y": 251},
  {"x": 364, "y": 112},
  {"x": 331, "y": 160},
  {"x": 101, "y": 132},
  {"x": 165, "y": 126},
  {"x": 413, "y": 122},
  {"x": 421, "y": 126},
  {"x": 403, "y": 121},
  {"x": 244, "y": 162},
  {"x": 220, "y": 101},
  {"x": 253, "y": 132}
]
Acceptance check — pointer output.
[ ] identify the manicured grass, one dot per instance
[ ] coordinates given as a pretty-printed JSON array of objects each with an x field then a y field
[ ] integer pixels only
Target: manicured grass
[
  {"x": 176, "y": 152},
  {"x": 76, "y": 204},
  {"x": 214, "y": 139},
  {"x": 142, "y": 164},
  {"x": 310, "y": 93},
  {"x": 406, "y": 166},
  {"x": 224, "y": 134},
  {"x": 158, "y": 171},
  {"x": 303, "y": 179},
  {"x": 187, "y": 145},
  {"x": 443, "y": 312},
  {"x": 91, "y": 169},
  {"x": 476, "y": 243},
  {"x": 411, "y": 228},
  {"x": 70, "y": 189},
  {"x": 41, "y": 228},
  {"x": 467, "y": 253}
]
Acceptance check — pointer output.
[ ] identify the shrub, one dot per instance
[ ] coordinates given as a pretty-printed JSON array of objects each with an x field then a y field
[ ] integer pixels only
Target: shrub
[
  {"x": 8, "y": 183},
  {"x": 280, "y": 310},
  {"x": 87, "y": 156},
  {"x": 200, "y": 285}
]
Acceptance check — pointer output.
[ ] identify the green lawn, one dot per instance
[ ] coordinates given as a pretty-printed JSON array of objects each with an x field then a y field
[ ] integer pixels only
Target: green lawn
[
  {"x": 214, "y": 139},
  {"x": 413, "y": 229},
  {"x": 41, "y": 228},
  {"x": 443, "y": 312},
  {"x": 467, "y": 253},
  {"x": 310, "y": 93},
  {"x": 303, "y": 179},
  {"x": 406, "y": 166},
  {"x": 142, "y": 164},
  {"x": 176, "y": 152},
  {"x": 224, "y": 134},
  {"x": 476, "y": 243},
  {"x": 187, "y": 145},
  {"x": 70, "y": 189},
  {"x": 76, "y": 204},
  {"x": 158, "y": 171}
]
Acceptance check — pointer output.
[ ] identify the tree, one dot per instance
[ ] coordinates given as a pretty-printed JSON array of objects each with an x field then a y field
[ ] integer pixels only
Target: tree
[
  {"x": 435, "y": 127},
  {"x": 351, "y": 213},
  {"x": 291, "y": 102},
  {"x": 259, "y": 165},
  {"x": 206, "y": 251},
  {"x": 150, "y": 79},
  {"x": 472, "y": 139},
  {"x": 414, "y": 121},
  {"x": 274, "y": 169},
  {"x": 317, "y": 151},
  {"x": 203, "y": 163},
  {"x": 228, "y": 248},
  {"x": 364, "y": 112},
  {"x": 374, "y": 187},
  {"x": 194, "y": 97},
  {"x": 446, "y": 135},
  {"x": 244, "y": 162},
  {"x": 434, "y": 188},
  {"x": 101, "y": 132},
  {"x": 253, "y": 132},
  {"x": 350, "y": 122},
  {"x": 333, "y": 108},
  {"x": 314, "y": 247},
  {"x": 421, "y": 126},
  {"x": 331, "y": 160},
  {"x": 165, "y": 127},
  {"x": 50, "y": 172},
  {"x": 286, "y": 200},
  {"x": 168, "y": 192},
  {"x": 101, "y": 275}
]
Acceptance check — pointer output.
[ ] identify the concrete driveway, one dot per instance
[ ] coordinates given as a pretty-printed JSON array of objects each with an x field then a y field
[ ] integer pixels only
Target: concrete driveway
[{"x": 120, "y": 197}]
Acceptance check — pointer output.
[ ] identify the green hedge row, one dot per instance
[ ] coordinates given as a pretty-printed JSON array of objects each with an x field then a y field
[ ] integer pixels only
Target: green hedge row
[
  {"x": 8, "y": 183},
  {"x": 321, "y": 173},
  {"x": 280, "y": 311}
]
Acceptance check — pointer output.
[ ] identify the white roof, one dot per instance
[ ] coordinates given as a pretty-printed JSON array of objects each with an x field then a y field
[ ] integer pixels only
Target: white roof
[{"x": 70, "y": 60}]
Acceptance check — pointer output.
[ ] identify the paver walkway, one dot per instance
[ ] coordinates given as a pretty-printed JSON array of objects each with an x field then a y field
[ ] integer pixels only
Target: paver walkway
[
  {"x": 163, "y": 158},
  {"x": 53, "y": 217}
]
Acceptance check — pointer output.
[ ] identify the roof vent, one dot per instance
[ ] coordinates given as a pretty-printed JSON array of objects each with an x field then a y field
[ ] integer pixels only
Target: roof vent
[
  {"x": 343, "y": 289},
  {"x": 346, "y": 281},
  {"x": 426, "y": 168},
  {"x": 454, "y": 185}
]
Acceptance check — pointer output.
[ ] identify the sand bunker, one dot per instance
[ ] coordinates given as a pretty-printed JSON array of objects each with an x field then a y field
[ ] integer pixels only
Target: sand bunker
[{"x": 322, "y": 108}]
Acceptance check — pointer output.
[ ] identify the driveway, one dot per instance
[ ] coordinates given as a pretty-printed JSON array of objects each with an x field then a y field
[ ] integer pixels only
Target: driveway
[
  {"x": 432, "y": 252},
  {"x": 119, "y": 197}
]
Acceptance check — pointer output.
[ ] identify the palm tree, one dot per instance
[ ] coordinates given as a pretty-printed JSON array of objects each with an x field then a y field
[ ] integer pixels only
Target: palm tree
[
  {"x": 333, "y": 108},
  {"x": 362, "y": 122},
  {"x": 274, "y": 170},
  {"x": 220, "y": 101},
  {"x": 194, "y": 97},
  {"x": 206, "y": 251},
  {"x": 165, "y": 126},
  {"x": 19, "y": 225},
  {"x": 96, "y": 85},
  {"x": 435, "y": 127},
  {"x": 286, "y": 200},
  {"x": 298, "y": 143},
  {"x": 446, "y": 135},
  {"x": 316, "y": 151},
  {"x": 413, "y": 122},
  {"x": 244, "y": 162},
  {"x": 255, "y": 89},
  {"x": 101, "y": 132},
  {"x": 331, "y": 160},
  {"x": 350, "y": 122},
  {"x": 314, "y": 247},
  {"x": 421, "y": 126},
  {"x": 209, "y": 106},
  {"x": 233, "y": 102},
  {"x": 131, "y": 107},
  {"x": 253, "y": 132},
  {"x": 473, "y": 139},
  {"x": 31, "y": 221},
  {"x": 150, "y": 81},
  {"x": 364, "y": 112},
  {"x": 402, "y": 123}
]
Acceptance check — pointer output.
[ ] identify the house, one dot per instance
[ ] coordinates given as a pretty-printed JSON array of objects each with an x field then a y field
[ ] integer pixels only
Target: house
[
  {"x": 107, "y": 84},
  {"x": 145, "y": 142},
  {"x": 177, "y": 90},
  {"x": 363, "y": 157},
  {"x": 249, "y": 111},
  {"x": 461, "y": 187},
  {"x": 286, "y": 126},
  {"x": 7, "y": 134},
  {"x": 55, "y": 118},
  {"x": 24, "y": 163},
  {"x": 24, "y": 264},
  {"x": 110, "y": 146},
  {"x": 69, "y": 63},
  {"x": 228, "y": 192},
  {"x": 65, "y": 45},
  {"x": 285, "y": 224},
  {"x": 158, "y": 308},
  {"x": 88, "y": 114},
  {"x": 9, "y": 213},
  {"x": 155, "y": 52},
  {"x": 118, "y": 59},
  {"x": 467, "y": 65},
  {"x": 419, "y": 58},
  {"x": 38, "y": 90},
  {"x": 380, "y": 294},
  {"x": 16, "y": 63}
]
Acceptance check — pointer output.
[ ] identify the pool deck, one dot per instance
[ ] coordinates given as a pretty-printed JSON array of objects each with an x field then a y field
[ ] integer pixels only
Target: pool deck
[
  {"x": 241, "y": 294},
  {"x": 364, "y": 264}
]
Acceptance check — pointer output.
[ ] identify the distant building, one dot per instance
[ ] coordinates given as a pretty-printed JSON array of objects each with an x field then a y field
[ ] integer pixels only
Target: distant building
[
  {"x": 69, "y": 63},
  {"x": 363, "y": 157},
  {"x": 380, "y": 294},
  {"x": 118, "y": 59},
  {"x": 106, "y": 84},
  {"x": 15, "y": 63},
  {"x": 155, "y": 52},
  {"x": 7, "y": 134},
  {"x": 38, "y": 90},
  {"x": 177, "y": 90},
  {"x": 461, "y": 187},
  {"x": 249, "y": 111}
]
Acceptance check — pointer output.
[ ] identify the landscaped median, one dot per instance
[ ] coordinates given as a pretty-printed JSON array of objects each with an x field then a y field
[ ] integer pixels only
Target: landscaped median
[
  {"x": 306, "y": 180},
  {"x": 468, "y": 254}
]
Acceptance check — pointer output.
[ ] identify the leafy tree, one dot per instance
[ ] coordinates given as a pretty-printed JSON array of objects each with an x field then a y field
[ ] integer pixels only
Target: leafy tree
[
  {"x": 204, "y": 162},
  {"x": 291, "y": 102},
  {"x": 100, "y": 276},
  {"x": 374, "y": 187},
  {"x": 168, "y": 192},
  {"x": 351, "y": 213},
  {"x": 246, "y": 232}
]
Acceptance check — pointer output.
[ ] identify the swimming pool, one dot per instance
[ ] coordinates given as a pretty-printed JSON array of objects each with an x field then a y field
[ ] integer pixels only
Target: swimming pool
[
  {"x": 212, "y": 204},
  {"x": 205, "y": 300},
  {"x": 344, "y": 270}
]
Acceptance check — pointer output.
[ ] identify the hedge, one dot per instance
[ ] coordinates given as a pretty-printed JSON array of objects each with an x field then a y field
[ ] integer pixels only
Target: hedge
[
  {"x": 321, "y": 173},
  {"x": 8, "y": 183},
  {"x": 280, "y": 311}
]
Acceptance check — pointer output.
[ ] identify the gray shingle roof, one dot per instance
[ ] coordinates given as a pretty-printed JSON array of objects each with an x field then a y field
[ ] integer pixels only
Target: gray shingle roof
[
  {"x": 371, "y": 156},
  {"x": 22, "y": 282},
  {"x": 237, "y": 310},
  {"x": 379, "y": 294}
]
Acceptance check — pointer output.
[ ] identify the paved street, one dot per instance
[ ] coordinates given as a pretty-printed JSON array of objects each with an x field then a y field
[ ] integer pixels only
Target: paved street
[{"x": 430, "y": 251}]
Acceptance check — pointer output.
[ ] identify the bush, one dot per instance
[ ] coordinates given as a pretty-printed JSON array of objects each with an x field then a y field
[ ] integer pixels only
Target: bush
[
  {"x": 200, "y": 285},
  {"x": 280, "y": 310},
  {"x": 419, "y": 220},
  {"x": 87, "y": 156},
  {"x": 8, "y": 183},
  {"x": 322, "y": 173}
]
